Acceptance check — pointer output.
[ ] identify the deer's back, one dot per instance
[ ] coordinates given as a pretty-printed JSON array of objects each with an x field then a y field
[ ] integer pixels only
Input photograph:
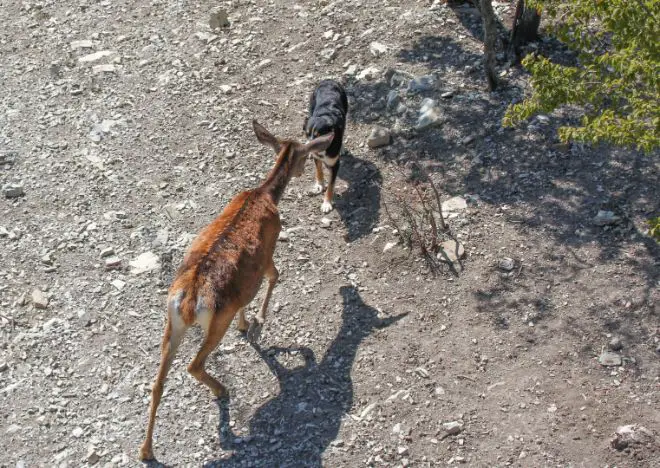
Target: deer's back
[{"x": 225, "y": 263}]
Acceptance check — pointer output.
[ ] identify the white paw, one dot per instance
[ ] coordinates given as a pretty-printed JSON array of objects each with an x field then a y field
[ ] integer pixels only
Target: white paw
[
  {"x": 326, "y": 207},
  {"x": 316, "y": 189}
]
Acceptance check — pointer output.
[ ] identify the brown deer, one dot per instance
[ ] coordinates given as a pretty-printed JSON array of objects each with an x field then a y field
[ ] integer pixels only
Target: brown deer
[{"x": 224, "y": 267}]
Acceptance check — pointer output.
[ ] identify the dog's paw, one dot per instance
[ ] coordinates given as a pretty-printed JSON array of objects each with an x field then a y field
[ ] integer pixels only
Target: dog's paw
[
  {"x": 326, "y": 206},
  {"x": 315, "y": 189}
]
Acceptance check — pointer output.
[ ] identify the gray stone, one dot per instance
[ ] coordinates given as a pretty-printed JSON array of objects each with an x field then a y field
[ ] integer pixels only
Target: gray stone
[
  {"x": 631, "y": 434},
  {"x": 610, "y": 359},
  {"x": 429, "y": 114},
  {"x": 39, "y": 299},
  {"x": 393, "y": 99},
  {"x": 454, "y": 204},
  {"x": 606, "y": 218},
  {"x": 219, "y": 19},
  {"x": 377, "y": 49},
  {"x": 144, "y": 263},
  {"x": 368, "y": 73},
  {"x": 329, "y": 53},
  {"x": 84, "y": 44},
  {"x": 452, "y": 250},
  {"x": 107, "y": 252},
  {"x": 112, "y": 263},
  {"x": 13, "y": 191},
  {"x": 104, "y": 68},
  {"x": 507, "y": 264},
  {"x": 96, "y": 56},
  {"x": 421, "y": 84},
  {"x": 453, "y": 427},
  {"x": 8, "y": 157},
  {"x": 92, "y": 457},
  {"x": 379, "y": 136},
  {"x": 616, "y": 344}
]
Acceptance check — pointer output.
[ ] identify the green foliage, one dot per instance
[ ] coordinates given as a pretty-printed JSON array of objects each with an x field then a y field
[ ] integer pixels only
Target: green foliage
[
  {"x": 617, "y": 82},
  {"x": 654, "y": 228}
]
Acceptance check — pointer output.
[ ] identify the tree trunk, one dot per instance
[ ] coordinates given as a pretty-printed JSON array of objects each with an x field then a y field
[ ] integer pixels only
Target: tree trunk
[
  {"x": 490, "y": 41},
  {"x": 525, "y": 27}
]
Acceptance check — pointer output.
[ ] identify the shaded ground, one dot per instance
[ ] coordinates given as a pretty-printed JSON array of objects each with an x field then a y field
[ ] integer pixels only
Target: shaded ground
[{"x": 140, "y": 158}]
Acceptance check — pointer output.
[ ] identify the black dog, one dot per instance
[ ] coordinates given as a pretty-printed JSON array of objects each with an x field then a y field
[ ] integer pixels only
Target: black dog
[{"x": 328, "y": 107}]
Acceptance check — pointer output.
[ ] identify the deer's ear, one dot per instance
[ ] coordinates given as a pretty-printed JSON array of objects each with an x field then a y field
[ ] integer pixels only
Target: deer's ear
[
  {"x": 320, "y": 144},
  {"x": 265, "y": 137}
]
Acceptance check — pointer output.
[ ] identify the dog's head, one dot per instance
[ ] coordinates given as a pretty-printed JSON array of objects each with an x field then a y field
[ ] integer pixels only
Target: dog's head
[{"x": 318, "y": 126}]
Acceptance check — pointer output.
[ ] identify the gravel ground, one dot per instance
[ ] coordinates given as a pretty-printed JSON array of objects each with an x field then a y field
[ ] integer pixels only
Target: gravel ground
[{"x": 125, "y": 127}]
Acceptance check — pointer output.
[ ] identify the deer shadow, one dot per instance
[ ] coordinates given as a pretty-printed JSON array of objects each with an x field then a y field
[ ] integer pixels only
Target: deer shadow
[
  {"x": 295, "y": 428},
  {"x": 359, "y": 206}
]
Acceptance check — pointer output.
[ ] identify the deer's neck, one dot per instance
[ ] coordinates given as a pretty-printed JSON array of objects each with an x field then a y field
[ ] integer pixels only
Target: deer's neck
[{"x": 280, "y": 174}]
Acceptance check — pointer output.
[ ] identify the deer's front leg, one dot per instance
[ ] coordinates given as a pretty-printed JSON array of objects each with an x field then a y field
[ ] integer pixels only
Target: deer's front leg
[{"x": 257, "y": 323}]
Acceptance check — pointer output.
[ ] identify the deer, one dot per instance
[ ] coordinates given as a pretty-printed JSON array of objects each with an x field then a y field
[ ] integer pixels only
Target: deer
[{"x": 224, "y": 267}]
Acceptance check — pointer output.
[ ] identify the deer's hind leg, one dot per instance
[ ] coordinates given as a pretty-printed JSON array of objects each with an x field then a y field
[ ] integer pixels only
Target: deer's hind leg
[
  {"x": 216, "y": 329},
  {"x": 175, "y": 329}
]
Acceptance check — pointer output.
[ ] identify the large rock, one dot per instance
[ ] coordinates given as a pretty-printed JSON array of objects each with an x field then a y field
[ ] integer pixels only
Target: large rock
[
  {"x": 421, "y": 84},
  {"x": 380, "y": 136},
  {"x": 429, "y": 114},
  {"x": 454, "y": 204}
]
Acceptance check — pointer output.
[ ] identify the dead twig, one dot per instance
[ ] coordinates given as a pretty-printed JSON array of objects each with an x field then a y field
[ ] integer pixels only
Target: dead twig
[{"x": 427, "y": 177}]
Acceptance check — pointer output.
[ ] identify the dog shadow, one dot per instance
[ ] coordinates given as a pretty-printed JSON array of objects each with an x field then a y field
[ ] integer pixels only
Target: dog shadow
[
  {"x": 359, "y": 206},
  {"x": 297, "y": 426}
]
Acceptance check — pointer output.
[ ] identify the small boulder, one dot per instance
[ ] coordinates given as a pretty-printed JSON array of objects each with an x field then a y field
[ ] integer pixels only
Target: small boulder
[
  {"x": 630, "y": 435},
  {"x": 39, "y": 299},
  {"x": 610, "y": 359},
  {"x": 379, "y": 136}
]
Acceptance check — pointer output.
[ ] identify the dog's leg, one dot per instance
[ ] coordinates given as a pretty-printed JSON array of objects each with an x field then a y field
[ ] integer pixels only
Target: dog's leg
[
  {"x": 326, "y": 207},
  {"x": 318, "y": 179}
]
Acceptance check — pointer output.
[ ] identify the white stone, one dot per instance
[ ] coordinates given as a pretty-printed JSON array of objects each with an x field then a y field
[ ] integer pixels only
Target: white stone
[
  {"x": 144, "y": 263},
  {"x": 96, "y": 56}
]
